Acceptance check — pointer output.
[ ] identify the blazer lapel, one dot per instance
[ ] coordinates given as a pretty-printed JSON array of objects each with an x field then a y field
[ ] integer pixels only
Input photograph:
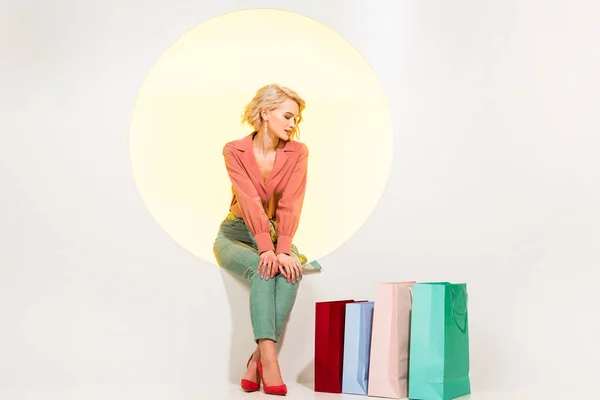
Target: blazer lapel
[
  {"x": 245, "y": 146},
  {"x": 281, "y": 158}
]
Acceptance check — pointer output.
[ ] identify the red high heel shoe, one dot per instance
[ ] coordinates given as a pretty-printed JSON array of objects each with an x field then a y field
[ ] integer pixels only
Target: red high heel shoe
[
  {"x": 280, "y": 390},
  {"x": 247, "y": 385}
]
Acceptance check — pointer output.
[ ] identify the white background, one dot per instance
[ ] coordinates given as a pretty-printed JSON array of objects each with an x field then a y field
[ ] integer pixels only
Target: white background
[{"x": 495, "y": 182}]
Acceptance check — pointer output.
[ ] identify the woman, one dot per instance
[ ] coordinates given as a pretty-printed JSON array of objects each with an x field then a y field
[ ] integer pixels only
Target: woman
[{"x": 268, "y": 170}]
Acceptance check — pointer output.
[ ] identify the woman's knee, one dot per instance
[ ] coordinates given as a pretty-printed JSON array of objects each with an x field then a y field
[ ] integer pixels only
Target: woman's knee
[
  {"x": 262, "y": 282},
  {"x": 236, "y": 258},
  {"x": 283, "y": 283}
]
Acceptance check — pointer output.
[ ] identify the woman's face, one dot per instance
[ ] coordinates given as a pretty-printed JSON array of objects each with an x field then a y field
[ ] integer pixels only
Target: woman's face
[{"x": 282, "y": 120}]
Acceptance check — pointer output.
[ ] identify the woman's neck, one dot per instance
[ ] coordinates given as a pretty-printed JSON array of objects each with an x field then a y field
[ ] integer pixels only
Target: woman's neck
[{"x": 265, "y": 143}]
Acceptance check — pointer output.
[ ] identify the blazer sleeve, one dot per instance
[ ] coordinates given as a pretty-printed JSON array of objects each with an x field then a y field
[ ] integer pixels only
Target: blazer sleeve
[
  {"x": 252, "y": 209},
  {"x": 289, "y": 206}
]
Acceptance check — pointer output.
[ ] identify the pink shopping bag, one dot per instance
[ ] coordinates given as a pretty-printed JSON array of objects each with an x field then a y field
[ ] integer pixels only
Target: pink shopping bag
[{"x": 388, "y": 369}]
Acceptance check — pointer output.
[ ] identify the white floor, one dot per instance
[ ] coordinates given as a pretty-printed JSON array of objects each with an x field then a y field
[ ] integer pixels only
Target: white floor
[
  {"x": 230, "y": 391},
  {"x": 304, "y": 392}
]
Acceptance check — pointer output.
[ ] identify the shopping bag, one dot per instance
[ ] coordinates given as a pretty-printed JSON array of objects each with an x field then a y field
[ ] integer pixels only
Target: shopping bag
[
  {"x": 357, "y": 347},
  {"x": 388, "y": 370},
  {"x": 330, "y": 320},
  {"x": 439, "y": 347}
]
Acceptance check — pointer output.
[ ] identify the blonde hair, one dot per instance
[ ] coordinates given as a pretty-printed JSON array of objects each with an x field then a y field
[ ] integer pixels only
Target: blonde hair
[{"x": 270, "y": 97}]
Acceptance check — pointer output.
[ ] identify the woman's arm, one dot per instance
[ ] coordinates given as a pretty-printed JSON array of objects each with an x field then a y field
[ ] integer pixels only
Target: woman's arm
[
  {"x": 289, "y": 206},
  {"x": 252, "y": 210}
]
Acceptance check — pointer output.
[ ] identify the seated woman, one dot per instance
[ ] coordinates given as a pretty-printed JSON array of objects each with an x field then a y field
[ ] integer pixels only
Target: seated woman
[{"x": 268, "y": 173}]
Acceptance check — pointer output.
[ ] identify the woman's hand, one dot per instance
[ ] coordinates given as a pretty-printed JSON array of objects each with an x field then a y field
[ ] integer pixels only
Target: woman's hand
[
  {"x": 267, "y": 264},
  {"x": 289, "y": 267}
]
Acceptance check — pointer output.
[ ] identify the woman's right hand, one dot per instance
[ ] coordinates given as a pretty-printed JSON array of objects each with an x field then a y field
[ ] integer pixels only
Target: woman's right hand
[{"x": 267, "y": 264}]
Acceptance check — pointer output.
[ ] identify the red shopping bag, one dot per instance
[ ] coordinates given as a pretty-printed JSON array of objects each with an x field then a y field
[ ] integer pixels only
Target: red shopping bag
[{"x": 330, "y": 319}]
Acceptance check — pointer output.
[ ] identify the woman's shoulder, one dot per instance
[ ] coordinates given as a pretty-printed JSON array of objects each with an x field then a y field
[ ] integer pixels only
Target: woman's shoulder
[
  {"x": 239, "y": 144},
  {"x": 298, "y": 146}
]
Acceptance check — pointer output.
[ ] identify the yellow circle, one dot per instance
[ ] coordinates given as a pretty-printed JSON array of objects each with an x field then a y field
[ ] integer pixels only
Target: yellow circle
[{"x": 190, "y": 106}]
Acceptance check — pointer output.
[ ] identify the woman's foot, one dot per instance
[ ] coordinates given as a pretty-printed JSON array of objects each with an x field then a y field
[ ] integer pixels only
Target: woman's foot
[
  {"x": 271, "y": 373},
  {"x": 271, "y": 378},
  {"x": 268, "y": 368},
  {"x": 251, "y": 379},
  {"x": 252, "y": 370}
]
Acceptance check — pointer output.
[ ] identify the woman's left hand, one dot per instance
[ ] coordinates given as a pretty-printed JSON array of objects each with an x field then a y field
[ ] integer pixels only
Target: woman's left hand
[{"x": 289, "y": 267}]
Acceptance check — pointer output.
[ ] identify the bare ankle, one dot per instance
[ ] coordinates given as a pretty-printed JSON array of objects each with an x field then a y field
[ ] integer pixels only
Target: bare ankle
[
  {"x": 269, "y": 361},
  {"x": 267, "y": 349}
]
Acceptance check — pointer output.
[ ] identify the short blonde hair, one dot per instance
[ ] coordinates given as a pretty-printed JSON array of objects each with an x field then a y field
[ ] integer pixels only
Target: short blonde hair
[{"x": 270, "y": 97}]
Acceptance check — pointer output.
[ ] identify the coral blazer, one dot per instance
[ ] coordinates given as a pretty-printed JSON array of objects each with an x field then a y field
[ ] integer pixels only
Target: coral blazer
[{"x": 280, "y": 196}]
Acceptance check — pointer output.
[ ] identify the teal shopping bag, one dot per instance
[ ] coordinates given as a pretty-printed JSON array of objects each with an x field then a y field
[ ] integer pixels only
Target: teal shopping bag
[{"x": 439, "y": 342}]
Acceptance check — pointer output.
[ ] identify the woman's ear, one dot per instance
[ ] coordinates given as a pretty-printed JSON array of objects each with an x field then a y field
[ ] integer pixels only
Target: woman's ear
[{"x": 263, "y": 114}]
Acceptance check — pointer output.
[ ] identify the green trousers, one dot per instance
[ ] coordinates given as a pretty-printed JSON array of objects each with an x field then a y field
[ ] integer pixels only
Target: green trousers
[{"x": 271, "y": 300}]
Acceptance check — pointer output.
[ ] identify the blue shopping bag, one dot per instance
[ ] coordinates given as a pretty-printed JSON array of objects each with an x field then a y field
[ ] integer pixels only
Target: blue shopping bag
[
  {"x": 357, "y": 347},
  {"x": 439, "y": 342}
]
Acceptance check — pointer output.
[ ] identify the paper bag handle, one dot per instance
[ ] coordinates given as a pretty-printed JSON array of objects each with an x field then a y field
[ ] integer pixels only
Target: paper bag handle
[{"x": 454, "y": 302}]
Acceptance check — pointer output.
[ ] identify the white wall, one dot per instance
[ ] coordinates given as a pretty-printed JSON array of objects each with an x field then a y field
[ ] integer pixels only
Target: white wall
[{"x": 495, "y": 182}]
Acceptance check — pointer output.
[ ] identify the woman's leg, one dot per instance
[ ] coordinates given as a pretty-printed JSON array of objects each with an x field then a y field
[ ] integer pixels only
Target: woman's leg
[
  {"x": 270, "y": 363},
  {"x": 285, "y": 297},
  {"x": 242, "y": 260},
  {"x": 235, "y": 250},
  {"x": 251, "y": 370}
]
